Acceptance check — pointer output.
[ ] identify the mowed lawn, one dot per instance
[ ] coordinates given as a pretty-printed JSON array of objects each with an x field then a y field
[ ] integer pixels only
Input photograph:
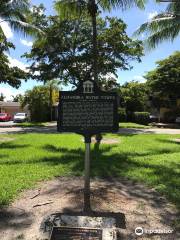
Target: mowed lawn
[{"x": 26, "y": 159}]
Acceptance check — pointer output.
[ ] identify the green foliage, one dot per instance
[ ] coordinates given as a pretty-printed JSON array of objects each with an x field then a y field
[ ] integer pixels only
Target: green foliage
[
  {"x": 140, "y": 117},
  {"x": 90, "y": 8},
  {"x": 16, "y": 13},
  {"x": 134, "y": 96},
  {"x": 2, "y": 97},
  {"x": 165, "y": 79},
  {"x": 40, "y": 100},
  {"x": 163, "y": 26},
  {"x": 122, "y": 114},
  {"x": 9, "y": 75},
  {"x": 65, "y": 52},
  {"x": 68, "y": 8},
  {"x": 17, "y": 98},
  {"x": 38, "y": 103}
]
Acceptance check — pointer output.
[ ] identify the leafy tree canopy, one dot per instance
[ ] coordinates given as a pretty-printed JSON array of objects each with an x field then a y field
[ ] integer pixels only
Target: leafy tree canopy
[
  {"x": 10, "y": 75},
  {"x": 134, "y": 96},
  {"x": 40, "y": 100},
  {"x": 38, "y": 103},
  {"x": 165, "y": 79},
  {"x": 65, "y": 52}
]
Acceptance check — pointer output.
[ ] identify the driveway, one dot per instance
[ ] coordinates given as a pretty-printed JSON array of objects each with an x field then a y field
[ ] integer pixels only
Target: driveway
[{"x": 7, "y": 124}]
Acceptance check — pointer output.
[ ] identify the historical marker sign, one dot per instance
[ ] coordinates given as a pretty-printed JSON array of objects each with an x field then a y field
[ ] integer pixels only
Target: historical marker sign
[
  {"x": 88, "y": 110},
  {"x": 67, "y": 233}
]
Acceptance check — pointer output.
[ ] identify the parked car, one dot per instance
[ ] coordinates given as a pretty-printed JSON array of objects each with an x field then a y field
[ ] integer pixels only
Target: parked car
[
  {"x": 20, "y": 117},
  {"x": 5, "y": 117},
  {"x": 178, "y": 120}
]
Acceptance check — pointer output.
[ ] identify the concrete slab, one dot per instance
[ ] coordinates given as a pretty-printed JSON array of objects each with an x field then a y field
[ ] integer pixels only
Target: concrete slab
[{"x": 107, "y": 224}]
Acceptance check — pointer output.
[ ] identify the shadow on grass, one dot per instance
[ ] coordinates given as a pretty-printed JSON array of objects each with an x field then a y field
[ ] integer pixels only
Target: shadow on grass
[
  {"x": 109, "y": 163},
  {"x": 172, "y": 141},
  {"x": 105, "y": 163},
  {"x": 11, "y": 145}
]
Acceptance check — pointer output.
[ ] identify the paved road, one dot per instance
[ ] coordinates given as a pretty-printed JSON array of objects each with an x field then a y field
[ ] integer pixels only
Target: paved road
[{"x": 53, "y": 129}]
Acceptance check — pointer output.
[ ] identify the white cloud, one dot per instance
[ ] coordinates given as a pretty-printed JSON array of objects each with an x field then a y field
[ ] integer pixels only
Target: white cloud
[
  {"x": 152, "y": 14},
  {"x": 6, "y": 29},
  {"x": 139, "y": 79},
  {"x": 8, "y": 92},
  {"x": 16, "y": 63},
  {"x": 26, "y": 43}
]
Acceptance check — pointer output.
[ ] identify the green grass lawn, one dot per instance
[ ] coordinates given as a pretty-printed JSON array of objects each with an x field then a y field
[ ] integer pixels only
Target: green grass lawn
[
  {"x": 29, "y": 158},
  {"x": 132, "y": 125}
]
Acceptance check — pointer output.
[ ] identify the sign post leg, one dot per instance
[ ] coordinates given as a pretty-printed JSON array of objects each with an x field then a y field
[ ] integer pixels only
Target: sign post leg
[{"x": 87, "y": 204}]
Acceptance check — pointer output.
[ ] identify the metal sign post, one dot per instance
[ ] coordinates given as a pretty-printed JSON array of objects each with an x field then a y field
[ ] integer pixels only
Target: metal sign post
[
  {"x": 87, "y": 191},
  {"x": 88, "y": 111}
]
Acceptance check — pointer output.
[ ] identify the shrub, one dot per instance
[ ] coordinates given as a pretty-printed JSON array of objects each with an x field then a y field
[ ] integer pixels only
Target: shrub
[
  {"x": 122, "y": 114},
  {"x": 141, "y": 117}
]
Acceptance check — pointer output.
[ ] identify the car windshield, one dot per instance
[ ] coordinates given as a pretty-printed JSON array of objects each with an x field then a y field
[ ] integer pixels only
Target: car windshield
[
  {"x": 20, "y": 114},
  {"x": 2, "y": 114}
]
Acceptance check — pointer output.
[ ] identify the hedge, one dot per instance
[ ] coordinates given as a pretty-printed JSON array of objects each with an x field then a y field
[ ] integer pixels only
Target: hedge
[
  {"x": 141, "y": 117},
  {"x": 122, "y": 115}
]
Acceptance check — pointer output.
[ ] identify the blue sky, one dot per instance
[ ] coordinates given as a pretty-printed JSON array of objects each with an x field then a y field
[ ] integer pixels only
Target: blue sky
[{"x": 133, "y": 18}]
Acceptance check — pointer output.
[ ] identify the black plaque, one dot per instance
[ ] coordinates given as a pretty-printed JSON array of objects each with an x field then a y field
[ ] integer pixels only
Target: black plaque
[
  {"x": 67, "y": 233},
  {"x": 88, "y": 110}
]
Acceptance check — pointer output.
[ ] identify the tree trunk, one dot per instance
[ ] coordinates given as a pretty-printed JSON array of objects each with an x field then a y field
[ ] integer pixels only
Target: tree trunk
[{"x": 93, "y": 8}]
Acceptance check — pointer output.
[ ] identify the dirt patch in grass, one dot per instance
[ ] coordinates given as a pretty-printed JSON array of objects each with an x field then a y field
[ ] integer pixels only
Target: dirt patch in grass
[
  {"x": 177, "y": 140},
  {"x": 107, "y": 141},
  {"x": 142, "y": 207},
  {"x": 6, "y": 139}
]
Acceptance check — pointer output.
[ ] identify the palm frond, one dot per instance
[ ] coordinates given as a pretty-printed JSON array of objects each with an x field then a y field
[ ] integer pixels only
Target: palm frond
[
  {"x": 71, "y": 8},
  {"x": 168, "y": 33},
  {"x": 173, "y": 8},
  {"x": 163, "y": 26},
  {"x": 123, "y": 4},
  {"x": 26, "y": 28},
  {"x": 158, "y": 23}
]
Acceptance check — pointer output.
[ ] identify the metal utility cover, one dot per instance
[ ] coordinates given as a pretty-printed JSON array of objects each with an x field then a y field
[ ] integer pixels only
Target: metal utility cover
[{"x": 69, "y": 233}]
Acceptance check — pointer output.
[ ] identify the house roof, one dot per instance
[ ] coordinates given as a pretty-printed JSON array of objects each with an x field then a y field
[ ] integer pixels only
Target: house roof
[{"x": 9, "y": 104}]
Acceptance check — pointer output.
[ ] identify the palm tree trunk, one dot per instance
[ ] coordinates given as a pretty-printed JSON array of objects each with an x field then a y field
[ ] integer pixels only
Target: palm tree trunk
[
  {"x": 93, "y": 11},
  {"x": 92, "y": 6}
]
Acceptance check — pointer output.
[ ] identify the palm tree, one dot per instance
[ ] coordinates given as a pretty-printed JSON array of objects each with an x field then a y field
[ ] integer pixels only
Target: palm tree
[
  {"x": 15, "y": 12},
  {"x": 163, "y": 26},
  {"x": 53, "y": 86}
]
